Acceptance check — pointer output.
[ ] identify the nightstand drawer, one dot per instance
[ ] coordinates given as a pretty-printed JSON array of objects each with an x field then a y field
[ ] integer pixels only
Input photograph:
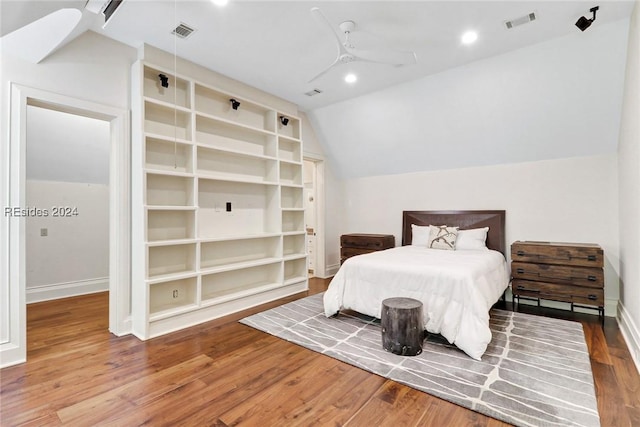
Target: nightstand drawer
[
  {"x": 585, "y": 255},
  {"x": 578, "y": 276},
  {"x": 556, "y": 292},
  {"x": 349, "y": 252},
  {"x": 370, "y": 241}
]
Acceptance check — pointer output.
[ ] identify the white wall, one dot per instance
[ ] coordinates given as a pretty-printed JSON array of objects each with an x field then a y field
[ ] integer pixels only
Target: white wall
[
  {"x": 67, "y": 167},
  {"x": 629, "y": 176},
  {"x": 92, "y": 68},
  {"x": 74, "y": 257},
  {"x": 67, "y": 147},
  {"x": 564, "y": 200},
  {"x": 556, "y": 99},
  {"x": 333, "y": 193}
]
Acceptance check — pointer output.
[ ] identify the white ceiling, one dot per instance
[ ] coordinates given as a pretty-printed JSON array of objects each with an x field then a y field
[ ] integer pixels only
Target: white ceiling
[{"x": 279, "y": 46}]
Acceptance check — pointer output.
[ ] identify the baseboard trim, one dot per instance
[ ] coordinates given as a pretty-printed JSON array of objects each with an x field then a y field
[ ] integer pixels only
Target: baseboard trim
[
  {"x": 67, "y": 289},
  {"x": 331, "y": 270},
  {"x": 630, "y": 333}
]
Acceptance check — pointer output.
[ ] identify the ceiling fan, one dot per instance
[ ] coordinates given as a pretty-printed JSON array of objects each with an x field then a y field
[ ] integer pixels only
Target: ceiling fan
[{"x": 349, "y": 53}]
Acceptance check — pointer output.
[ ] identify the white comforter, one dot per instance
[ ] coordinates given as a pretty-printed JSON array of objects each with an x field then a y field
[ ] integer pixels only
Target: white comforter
[{"x": 457, "y": 289}]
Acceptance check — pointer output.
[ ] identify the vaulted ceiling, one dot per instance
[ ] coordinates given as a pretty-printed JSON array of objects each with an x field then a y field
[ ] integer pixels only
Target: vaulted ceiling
[{"x": 279, "y": 46}]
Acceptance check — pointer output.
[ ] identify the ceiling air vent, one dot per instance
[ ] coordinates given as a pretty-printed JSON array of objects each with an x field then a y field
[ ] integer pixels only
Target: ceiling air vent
[
  {"x": 183, "y": 30},
  {"x": 520, "y": 21},
  {"x": 313, "y": 92}
]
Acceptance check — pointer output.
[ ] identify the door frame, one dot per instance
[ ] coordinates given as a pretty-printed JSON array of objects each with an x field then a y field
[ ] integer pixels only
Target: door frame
[
  {"x": 13, "y": 344},
  {"x": 320, "y": 267}
]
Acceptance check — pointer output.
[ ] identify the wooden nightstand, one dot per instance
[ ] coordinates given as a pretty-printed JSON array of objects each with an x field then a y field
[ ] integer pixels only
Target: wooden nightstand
[
  {"x": 566, "y": 272},
  {"x": 357, "y": 244}
]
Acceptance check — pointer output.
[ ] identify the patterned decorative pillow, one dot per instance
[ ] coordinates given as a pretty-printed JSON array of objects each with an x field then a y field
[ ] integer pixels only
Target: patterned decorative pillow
[{"x": 443, "y": 237}]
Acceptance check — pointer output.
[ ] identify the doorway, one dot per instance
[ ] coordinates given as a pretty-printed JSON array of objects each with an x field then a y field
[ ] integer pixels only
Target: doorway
[
  {"x": 313, "y": 174},
  {"x": 310, "y": 215},
  {"x": 67, "y": 186},
  {"x": 14, "y": 186}
]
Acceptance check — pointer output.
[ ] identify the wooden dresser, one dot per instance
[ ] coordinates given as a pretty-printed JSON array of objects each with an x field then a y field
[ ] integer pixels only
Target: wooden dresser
[
  {"x": 566, "y": 272},
  {"x": 357, "y": 244}
]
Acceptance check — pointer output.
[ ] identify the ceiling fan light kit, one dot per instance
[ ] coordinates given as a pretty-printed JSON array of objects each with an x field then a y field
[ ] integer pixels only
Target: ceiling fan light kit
[{"x": 350, "y": 78}]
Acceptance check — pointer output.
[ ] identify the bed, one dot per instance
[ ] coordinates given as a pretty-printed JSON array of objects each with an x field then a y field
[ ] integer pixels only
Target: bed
[{"x": 457, "y": 287}]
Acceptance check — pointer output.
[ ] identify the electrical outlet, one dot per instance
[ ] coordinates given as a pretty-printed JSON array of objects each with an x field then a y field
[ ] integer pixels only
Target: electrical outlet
[
  {"x": 44, "y": 232},
  {"x": 175, "y": 293}
]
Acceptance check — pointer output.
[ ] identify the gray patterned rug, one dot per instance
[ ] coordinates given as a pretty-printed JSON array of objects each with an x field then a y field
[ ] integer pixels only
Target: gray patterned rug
[{"x": 536, "y": 371}]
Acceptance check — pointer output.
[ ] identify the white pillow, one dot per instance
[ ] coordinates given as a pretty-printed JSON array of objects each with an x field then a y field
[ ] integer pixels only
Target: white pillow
[
  {"x": 475, "y": 238},
  {"x": 420, "y": 235}
]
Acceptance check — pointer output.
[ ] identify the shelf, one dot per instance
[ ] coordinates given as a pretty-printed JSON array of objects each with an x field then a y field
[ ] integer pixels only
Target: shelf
[
  {"x": 169, "y": 190},
  {"x": 291, "y": 173},
  {"x": 166, "y": 121},
  {"x": 230, "y": 283},
  {"x": 254, "y": 208},
  {"x": 292, "y": 129},
  {"x": 295, "y": 269},
  {"x": 166, "y": 261},
  {"x": 216, "y": 254},
  {"x": 238, "y": 237},
  {"x": 291, "y": 198},
  {"x": 240, "y": 265},
  {"x": 234, "y": 166},
  {"x": 289, "y": 150},
  {"x": 172, "y": 296},
  {"x": 177, "y": 93},
  {"x": 170, "y": 208},
  {"x": 293, "y": 221},
  {"x": 167, "y": 225},
  {"x": 293, "y": 245},
  {"x": 217, "y": 133},
  {"x": 165, "y": 155},
  {"x": 215, "y": 103}
]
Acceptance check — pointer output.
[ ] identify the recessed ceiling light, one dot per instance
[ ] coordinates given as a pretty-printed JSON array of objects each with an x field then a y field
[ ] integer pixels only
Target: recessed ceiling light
[
  {"x": 350, "y": 78},
  {"x": 220, "y": 2},
  {"x": 469, "y": 37}
]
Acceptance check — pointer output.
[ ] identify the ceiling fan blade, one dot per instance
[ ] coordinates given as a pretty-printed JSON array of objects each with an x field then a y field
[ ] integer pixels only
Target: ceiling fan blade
[
  {"x": 323, "y": 72},
  {"x": 319, "y": 16},
  {"x": 384, "y": 56}
]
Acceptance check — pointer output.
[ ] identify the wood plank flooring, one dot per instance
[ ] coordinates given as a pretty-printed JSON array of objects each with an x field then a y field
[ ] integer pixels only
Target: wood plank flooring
[{"x": 223, "y": 373}]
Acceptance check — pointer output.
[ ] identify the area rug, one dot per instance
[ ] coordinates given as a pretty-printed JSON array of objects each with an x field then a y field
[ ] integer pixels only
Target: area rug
[{"x": 535, "y": 372}]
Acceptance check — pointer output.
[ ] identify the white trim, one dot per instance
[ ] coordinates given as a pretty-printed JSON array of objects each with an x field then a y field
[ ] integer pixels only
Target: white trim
[
  {"x": 332, "y": 270},
  {"x": 610, "y": 307},
  {"x": 14, "y": 349},
  {"x": 630, "y": 333},
  {"x": 320, "y": 261},
  {"x": 66, "y": 289}
]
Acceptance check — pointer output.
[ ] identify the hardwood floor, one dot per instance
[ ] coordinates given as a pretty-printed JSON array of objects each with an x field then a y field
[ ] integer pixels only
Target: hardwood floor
[{"x": 223, "y": 373}]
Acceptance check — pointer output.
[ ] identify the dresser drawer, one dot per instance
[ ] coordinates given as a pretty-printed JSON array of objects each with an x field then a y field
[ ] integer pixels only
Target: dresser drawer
[
  {"x": 374, "y": 242},
  {"x": 557, "y": 292},
  {"x": 579, "y": 276},
  {"x": 585, "y": 255}
]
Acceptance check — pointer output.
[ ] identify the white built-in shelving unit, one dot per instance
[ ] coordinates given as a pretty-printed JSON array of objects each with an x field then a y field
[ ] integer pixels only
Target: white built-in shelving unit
[{"x": 218, "y": 216}]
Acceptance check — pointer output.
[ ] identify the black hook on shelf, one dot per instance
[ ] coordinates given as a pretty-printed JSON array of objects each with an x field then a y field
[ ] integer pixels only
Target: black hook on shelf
[{"x": 164, "y": 80}]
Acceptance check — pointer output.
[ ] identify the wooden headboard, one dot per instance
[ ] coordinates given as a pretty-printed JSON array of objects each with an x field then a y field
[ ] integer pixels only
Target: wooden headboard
[{"x": 463, "y": 219}]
